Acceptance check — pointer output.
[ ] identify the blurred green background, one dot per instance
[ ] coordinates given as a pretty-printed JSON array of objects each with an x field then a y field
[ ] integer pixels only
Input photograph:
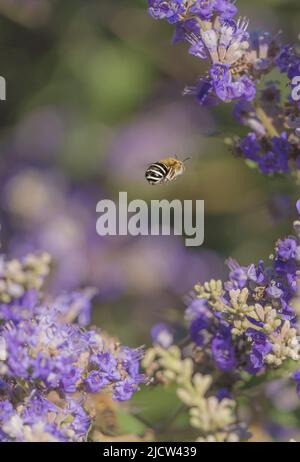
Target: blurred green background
[{"x": 94, "y": 94}]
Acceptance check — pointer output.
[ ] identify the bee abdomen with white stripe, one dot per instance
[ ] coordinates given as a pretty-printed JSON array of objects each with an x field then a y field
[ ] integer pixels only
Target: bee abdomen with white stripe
[{"x": 156, "y": 173}]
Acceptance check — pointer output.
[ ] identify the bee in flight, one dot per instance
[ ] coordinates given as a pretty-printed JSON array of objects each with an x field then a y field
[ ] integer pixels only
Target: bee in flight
[{"x": 165, "y": 170}]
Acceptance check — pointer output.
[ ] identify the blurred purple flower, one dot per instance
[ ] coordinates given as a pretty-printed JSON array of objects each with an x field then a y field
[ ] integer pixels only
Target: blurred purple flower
[{"x": 162, "y": 334}]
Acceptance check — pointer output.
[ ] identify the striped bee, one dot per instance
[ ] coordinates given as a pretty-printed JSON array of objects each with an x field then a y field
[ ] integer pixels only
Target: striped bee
[
  {"x": 106, "y": 420},
  {"x": 165, "y": 170}
]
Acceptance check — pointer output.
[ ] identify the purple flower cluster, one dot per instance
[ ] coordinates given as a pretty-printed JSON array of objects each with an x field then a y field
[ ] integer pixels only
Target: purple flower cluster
[
  {"x": 214, "y": 35},
  {"x": 47, "y": 361},
  {"x": 271, "y": 155},
  {"x": 249, "y": 322},
  {"x": 170, "y": 10},
  {"x": 296, "y": 377},
  {"x": 288, "y": 61},
  {"x": 178, "y": 11},
  {"x": 39, "y": 419},
  {"x": 272, "y": 145},
  {"x": 238, "y": 59}
]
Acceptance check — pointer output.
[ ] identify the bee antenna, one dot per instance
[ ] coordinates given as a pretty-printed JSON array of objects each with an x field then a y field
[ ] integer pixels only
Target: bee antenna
[{"x": 186, "y": 159}]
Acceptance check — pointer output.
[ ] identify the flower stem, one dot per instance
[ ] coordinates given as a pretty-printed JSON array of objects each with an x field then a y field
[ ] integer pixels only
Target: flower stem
[
  {"x": 202, "y": 23},
  {"x": 266, "y": 121}
]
